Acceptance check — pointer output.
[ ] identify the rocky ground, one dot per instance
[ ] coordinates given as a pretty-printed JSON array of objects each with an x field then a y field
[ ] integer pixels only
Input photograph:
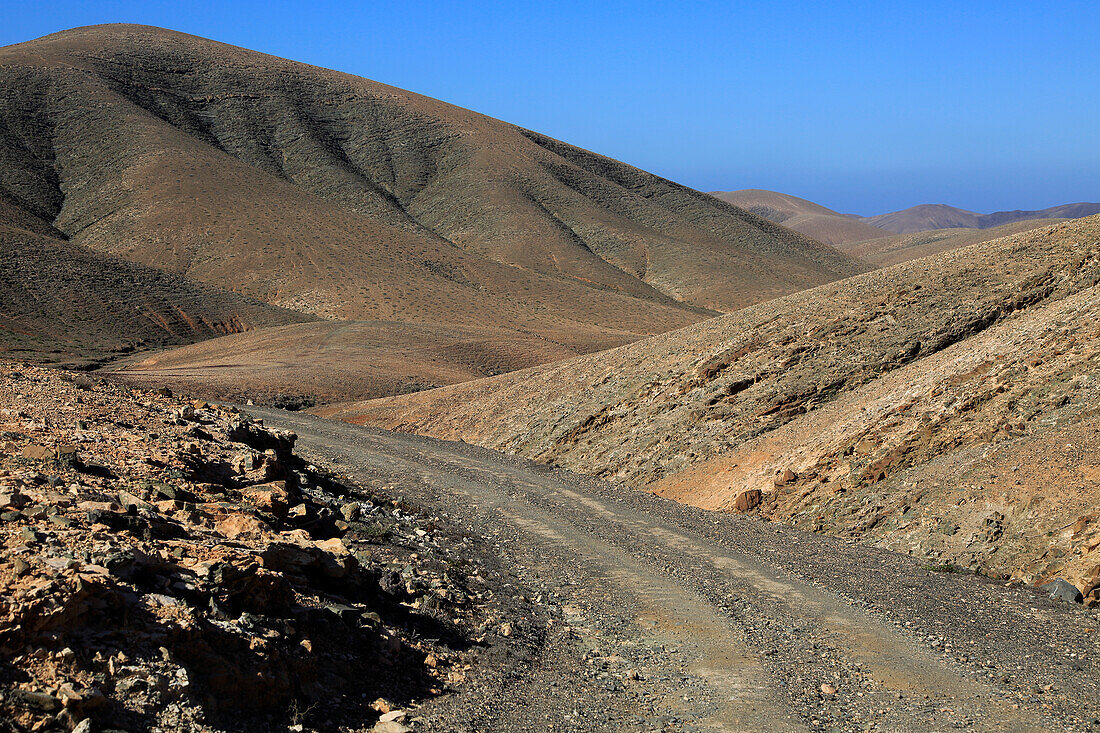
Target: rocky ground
[
  {"x": 664, "y": 617},
  {"x": 944, "y": 407},
  {"x": 173, "y": 566}
]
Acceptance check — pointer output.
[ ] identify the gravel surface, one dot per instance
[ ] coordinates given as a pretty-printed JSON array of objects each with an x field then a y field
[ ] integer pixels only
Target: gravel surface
[{"x": 651, "y": 615}]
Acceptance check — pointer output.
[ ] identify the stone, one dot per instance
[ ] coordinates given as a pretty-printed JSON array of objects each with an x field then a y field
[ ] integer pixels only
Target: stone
[
  {"x": 262, "y": 439},
  {"x": 351, "y": 511},
  {"x": 20, "y": 567},
  {"x": 335, "y": 546},
  {"x": 390, "y": 726},
  {"x": 382, "y": 705},
  {"x": 398, "y": 715},
  {"x": 36, "y": 700},
  {"x": 748, "y": 500},
  {"x": 13, "y": 500},
  {"x": 38, "y": 452},
  {"x": 127, "y": 500},
  {"x": 242, "y": 525},
  {"x": 271, "y": 497},
  {"x": 785, "y": 477},
  {"x": 1062, "y": 590},
  {"x": 66, "y": 453},
  {"x": 828, "y": 690}
]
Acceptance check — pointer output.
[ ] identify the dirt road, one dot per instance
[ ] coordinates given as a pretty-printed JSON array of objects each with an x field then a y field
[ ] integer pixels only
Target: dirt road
[{"x": 649, "y": 615}]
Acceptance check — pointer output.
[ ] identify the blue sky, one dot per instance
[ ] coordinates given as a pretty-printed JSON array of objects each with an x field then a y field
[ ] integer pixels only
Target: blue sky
[{"x": 865, "y": 107}]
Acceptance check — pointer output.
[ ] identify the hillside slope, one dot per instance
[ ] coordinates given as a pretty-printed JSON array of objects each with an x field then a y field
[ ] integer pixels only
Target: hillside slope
[
  {"x": 813, "y": 220},
  {"x": 62, "y": 303},
  {"x": 347, "y": 198},
  {"x": 314, "y": 363},
  {"x": 892, "y": 250},
  {"x": 884, "y": 400}
]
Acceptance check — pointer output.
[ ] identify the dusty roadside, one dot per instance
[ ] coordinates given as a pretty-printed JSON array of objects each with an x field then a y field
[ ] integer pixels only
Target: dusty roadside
[
  {"x": 700, "y": 621},
  {"x": 174, "y": 566}
]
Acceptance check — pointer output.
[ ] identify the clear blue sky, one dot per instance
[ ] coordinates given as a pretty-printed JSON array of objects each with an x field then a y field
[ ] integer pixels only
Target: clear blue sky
[{"x": 865, "y": 107}]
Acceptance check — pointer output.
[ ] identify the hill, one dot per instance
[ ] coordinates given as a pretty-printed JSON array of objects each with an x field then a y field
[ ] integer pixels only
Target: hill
[
  {"x": 927, "y": 407},
  {"x": 886, "y": 251},
  {"x": 314, "y": 363},
  {"x": 64, "y": 304},
  {"x": 345, "y": 198},
  {"x": 813, "y": 220},
  {"x": 938, "y": 216}
]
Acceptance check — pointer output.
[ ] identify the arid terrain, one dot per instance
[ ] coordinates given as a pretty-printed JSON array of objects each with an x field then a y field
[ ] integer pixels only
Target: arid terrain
[
  {"x": 332, "y": 361},
  {"x": 939, "y": 216},
  {"x": 64, "y": 304},
  {"x": 869, "y": 237},
  {"x": 342, "y": 198},
  {"x": 813, "y": 220},
  {"x": 173, "y": 565},
  {"x": 892, "y": 250},
  {"x": 327, "y": 406},
  {"x": 924, "y": 407}
]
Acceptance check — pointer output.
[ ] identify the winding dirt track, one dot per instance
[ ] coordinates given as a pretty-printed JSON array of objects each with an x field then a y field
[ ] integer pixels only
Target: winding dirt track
[{"x": 679, "y": 619}]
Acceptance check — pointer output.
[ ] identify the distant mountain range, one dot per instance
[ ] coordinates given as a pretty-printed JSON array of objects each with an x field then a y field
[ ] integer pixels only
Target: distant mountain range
[
  {"x": 813, "y": 220},
  {"x": 832, "y": 227},
  {"x": 939, "y": 216}
]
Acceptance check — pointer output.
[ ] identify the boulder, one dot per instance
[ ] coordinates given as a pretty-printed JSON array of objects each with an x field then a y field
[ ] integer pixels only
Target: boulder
[
  {"x": 748, "y": 500},
  {"x": 242, "y": 525},
  {"x": 351, "y": 511},
  {"x": 260, "y": 438},
  {"x": 272, "y": 497},
  {"x": 785, "y": 477},
  {"x": 1063, "y": 590}
]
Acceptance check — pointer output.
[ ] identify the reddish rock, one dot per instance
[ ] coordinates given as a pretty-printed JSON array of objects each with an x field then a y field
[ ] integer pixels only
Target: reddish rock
[
  {"x": 748, "y": 500},
  {"x": 785, "y": 477},
  {"x": 271, "y": 497}
]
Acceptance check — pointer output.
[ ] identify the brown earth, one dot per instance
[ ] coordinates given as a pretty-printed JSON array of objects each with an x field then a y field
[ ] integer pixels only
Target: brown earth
[
  {"x": 899, "y": 248},
  {"x": 175, "y": 566},
  {"x": 345, "y": 198},
  {"x": 813, "y": 220},
  {"x": 65, "y": 304},
  {"x": 943, "y": 406},
  {"x": 314, "y": 363},
  {"x": 940, "y": 216},
  {"x": 185, "y": 566}
]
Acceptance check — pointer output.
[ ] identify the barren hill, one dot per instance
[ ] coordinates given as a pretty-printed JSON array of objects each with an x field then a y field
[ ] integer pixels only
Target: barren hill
[
  {"x": 813, "y": 220},
  {"x": 928, "y": 406},
  {"x": 938, "y": 216},
  {"x": 63, "y": 303},
  {"x": 342, "y": 197},
  {"x": 314, "y": 363},
  {"x": 886, "y": 251}
]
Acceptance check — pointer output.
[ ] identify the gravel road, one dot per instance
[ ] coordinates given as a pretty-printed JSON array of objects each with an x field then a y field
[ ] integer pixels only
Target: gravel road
[{"x": 644, "y": 614}]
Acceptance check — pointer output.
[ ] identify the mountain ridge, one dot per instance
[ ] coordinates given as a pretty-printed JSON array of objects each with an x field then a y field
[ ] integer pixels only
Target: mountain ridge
[{"x": 344, "y": 198}]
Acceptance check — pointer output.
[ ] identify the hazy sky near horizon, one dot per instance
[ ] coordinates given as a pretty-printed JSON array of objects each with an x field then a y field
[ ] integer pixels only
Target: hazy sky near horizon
[{"x": 865, "y": 107}]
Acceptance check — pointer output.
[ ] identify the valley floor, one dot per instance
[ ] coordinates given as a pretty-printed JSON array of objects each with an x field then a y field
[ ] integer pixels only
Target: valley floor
[{"x": 651, "y": 615}]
